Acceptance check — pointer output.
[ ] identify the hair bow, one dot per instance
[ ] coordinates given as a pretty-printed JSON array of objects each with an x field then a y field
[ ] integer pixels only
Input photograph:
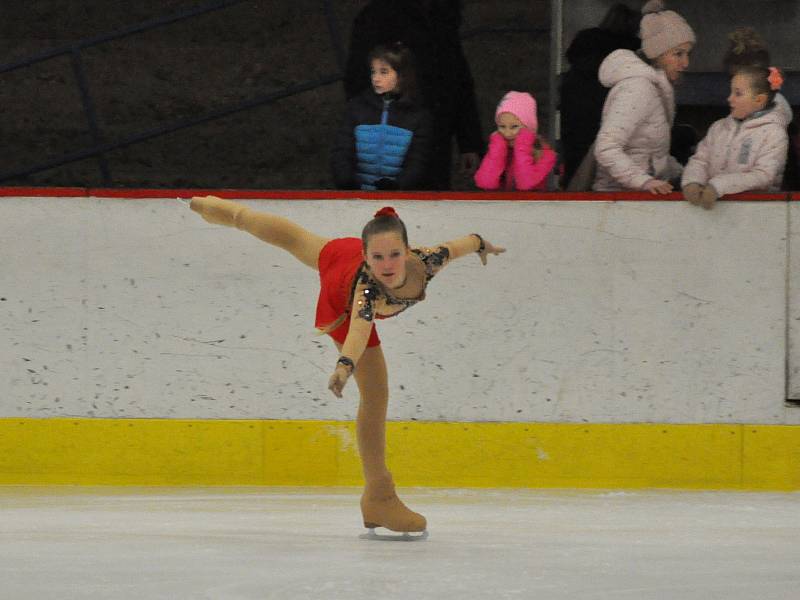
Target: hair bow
[
  {"x": 386, "y": 211},
  {"x": 775, "y": 79}
]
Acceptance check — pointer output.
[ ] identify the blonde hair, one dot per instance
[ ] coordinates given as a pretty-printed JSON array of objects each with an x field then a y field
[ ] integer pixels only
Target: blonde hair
[
  {"x": 758, "y": 77},
  {"x": 746, "y": 47}
]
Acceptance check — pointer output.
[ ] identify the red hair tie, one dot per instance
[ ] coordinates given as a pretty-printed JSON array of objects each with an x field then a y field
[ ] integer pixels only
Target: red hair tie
[
  {"x": 775, "y": 79},
  {"x": 386, "y": 211}
]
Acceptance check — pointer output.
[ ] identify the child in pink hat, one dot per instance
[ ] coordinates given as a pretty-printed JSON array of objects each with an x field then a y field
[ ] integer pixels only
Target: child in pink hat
[{"x": 516, "y": 158}]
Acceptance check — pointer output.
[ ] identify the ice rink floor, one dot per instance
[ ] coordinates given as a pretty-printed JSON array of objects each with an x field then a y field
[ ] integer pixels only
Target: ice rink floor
[{"x": 248, "y": 543}]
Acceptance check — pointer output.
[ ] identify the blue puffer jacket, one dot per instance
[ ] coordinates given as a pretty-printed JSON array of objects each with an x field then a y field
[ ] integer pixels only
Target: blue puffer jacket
[
  {"x": 380, "y": 150},
  {"x": 381, "y": 139}
]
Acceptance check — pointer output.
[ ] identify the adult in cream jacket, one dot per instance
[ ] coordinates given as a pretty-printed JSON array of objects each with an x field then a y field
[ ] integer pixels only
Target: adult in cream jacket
[{"x": 632, "y": 146}]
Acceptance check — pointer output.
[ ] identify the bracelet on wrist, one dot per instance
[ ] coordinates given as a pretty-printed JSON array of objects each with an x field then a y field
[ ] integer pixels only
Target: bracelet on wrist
[
  {"x": 347, "y": 363},
  {"x": 482, "y": 246}
]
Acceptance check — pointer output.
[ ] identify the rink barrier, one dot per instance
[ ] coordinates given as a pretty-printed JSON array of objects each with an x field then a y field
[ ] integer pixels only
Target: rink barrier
[
  {"x": 59, "y": 451},
  {"x": 87, "y": 451}
]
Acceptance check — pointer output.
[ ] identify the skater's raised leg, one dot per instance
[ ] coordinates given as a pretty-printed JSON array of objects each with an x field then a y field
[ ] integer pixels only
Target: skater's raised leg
[
  {"x": 380, "y": 505},
  {"x": 275, "y": 230}
]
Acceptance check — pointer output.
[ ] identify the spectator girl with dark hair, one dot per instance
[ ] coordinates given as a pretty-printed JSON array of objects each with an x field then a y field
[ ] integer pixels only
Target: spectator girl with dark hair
[
  {"x": 431, "y": 30},
  {"x": 385, "y": 137},
  {"x": 745, "y": 151},
  {"x": 375, "y": 277}
]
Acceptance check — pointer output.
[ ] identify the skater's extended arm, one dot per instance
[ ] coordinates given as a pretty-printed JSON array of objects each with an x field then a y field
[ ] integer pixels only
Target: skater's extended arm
[
  {"x": 435, "y": 259},
  {"x": 361, "y": 323},
  {"x": 472, "y": 243}
]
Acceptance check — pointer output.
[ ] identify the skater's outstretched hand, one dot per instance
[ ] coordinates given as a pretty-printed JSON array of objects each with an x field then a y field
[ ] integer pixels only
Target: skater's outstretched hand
[
  {"x": 338, "y": 380},
  {"x": 216, "y": 210},
  {"x": 489, "y": 248}
]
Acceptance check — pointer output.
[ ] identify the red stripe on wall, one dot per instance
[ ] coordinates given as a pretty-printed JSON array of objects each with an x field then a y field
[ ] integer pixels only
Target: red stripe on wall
[
  {"x": 140, "y": 193},
  {"x": 50, "y": 192}
]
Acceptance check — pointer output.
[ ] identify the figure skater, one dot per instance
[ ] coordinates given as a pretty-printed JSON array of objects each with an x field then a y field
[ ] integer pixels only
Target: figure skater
[{"x": 375, "y": 277}]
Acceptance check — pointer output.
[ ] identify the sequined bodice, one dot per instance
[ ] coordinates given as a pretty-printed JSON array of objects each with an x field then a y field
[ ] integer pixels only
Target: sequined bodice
[{"x": 377, "y": 301}]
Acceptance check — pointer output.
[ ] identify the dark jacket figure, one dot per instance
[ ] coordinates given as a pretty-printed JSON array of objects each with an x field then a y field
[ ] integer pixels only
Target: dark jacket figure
[
  {"x": 382, "y": 143},
  {"x": 430, "y": 28},
  {"x": 581, "y": 94}
]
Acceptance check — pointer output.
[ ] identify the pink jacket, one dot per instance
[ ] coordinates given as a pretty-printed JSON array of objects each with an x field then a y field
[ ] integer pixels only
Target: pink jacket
[
  {"x": 632, "y": 146},
  {"x": 739, "y": 156},
  {"x": 519, "y": 169}
]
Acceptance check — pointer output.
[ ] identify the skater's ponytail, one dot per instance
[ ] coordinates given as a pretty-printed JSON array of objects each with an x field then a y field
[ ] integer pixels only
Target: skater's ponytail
[{"x": 385, "y": 220}]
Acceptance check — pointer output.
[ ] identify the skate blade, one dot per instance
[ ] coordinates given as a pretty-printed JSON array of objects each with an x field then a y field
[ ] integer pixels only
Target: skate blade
[{"x": 394, "y": 537}]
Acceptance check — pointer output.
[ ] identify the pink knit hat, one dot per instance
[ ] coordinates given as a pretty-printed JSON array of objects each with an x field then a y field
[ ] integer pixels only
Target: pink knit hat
[
  {"x": 662, "y": 30},
  {"x": 521, "y": 105}
]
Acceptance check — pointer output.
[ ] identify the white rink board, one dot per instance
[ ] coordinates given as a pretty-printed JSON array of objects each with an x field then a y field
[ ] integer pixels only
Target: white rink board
[{"x": 599, "y": 312}]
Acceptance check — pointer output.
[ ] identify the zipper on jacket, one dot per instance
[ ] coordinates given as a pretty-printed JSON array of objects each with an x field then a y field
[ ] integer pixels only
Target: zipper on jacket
[
  {"x": 726, "y": 164},
  {"x": 382, "y": 135}
]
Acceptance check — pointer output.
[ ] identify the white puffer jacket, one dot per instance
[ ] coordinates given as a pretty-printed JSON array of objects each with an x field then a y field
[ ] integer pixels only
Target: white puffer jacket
[
  {"x": 632, "y": 146},
  {"x": 740, "y": 156}
]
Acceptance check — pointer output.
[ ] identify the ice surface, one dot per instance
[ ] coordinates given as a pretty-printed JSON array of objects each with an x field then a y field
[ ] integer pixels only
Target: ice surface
[{"x": 283, "y": 543}]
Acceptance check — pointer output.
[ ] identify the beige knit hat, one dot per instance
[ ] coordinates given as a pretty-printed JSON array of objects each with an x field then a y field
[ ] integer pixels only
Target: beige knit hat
[{"x": 662, "y": 29}]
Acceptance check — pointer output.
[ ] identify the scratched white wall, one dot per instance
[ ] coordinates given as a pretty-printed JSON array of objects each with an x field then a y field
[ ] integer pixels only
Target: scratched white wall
[
  {"x": 600, "y": 312},
  {"x": 793, "y": 364}
]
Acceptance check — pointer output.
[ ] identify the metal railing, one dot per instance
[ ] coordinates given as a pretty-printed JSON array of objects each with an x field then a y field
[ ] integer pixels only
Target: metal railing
[{"x": 100, "y": 147}]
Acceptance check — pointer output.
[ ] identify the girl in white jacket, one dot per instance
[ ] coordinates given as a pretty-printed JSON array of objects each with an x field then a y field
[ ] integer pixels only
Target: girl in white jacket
[{"x": 745, "y": 151}]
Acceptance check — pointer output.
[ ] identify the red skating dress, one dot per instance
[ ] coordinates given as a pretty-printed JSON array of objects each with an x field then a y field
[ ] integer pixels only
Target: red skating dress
[{"x": 339, "y": 261}]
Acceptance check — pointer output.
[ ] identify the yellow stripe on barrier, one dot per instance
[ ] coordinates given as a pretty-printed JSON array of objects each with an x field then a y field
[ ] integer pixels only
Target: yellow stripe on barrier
[{"x": 314, "y": 453}]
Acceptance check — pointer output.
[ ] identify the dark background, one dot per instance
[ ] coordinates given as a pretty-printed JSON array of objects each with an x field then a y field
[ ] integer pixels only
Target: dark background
[{"x": 189, "y": 69}]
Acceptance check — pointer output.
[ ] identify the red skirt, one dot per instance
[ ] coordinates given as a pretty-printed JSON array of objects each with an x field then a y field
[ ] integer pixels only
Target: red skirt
[{"x": 339, "y": 261}]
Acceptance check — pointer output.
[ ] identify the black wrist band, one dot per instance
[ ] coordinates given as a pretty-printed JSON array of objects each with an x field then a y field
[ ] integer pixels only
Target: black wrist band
[
  {"x": 347, "y": 362},
  {"x": 482, "y": 247}
]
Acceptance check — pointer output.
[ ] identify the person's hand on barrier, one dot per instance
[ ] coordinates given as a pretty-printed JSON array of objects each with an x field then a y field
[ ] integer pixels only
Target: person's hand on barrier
[
  {"x": 691, "y": 193},
  {"x": 216, "y": 210},
  {"x": 658, "y": 186},
  {"x": 708, "y": 197},
  {"x": 338, "y": 380}
]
